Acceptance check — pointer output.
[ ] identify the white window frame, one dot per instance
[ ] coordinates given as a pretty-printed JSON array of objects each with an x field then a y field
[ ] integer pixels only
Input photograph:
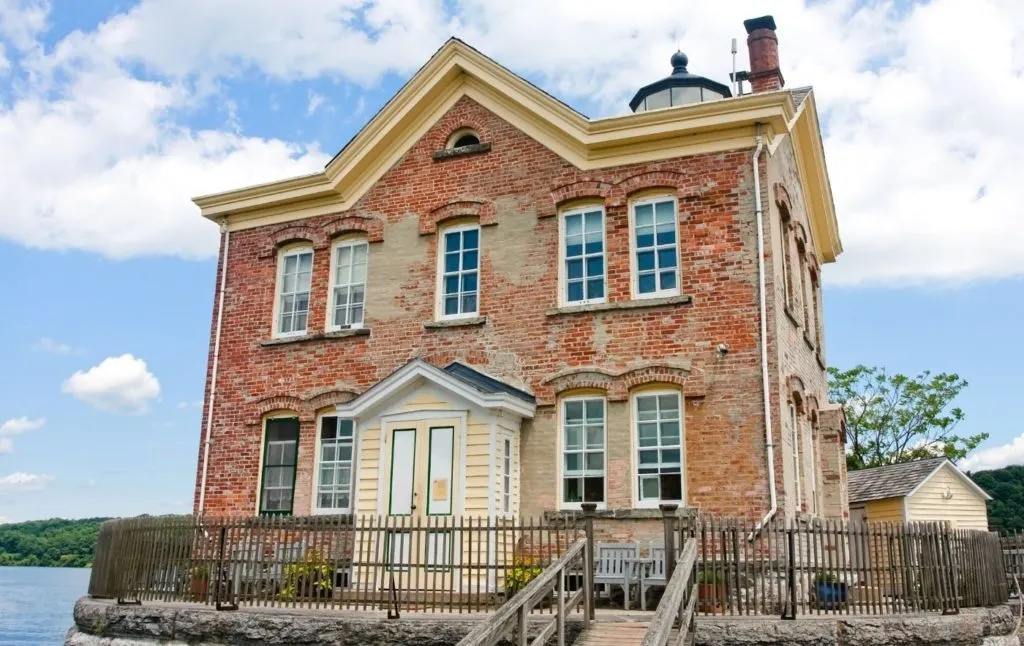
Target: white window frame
[
  {"x": 560, "y": 470},
  {"x": 794, "y": 425},
  {"x": 506, "y": 477},
  {"x": 441, "y": 250},
  {"x": 286, "y": 252},
  {"x": 635, "y": 446},
  {"x": 563, "y": 282},
  {"x": 352, "y": 243},
  {"x": 634, "y": 269},
  {"x": 316, "y": 509}
]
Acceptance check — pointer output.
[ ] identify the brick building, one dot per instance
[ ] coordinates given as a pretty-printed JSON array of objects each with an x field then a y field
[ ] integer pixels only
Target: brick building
[{"x": 488, "y": 304}]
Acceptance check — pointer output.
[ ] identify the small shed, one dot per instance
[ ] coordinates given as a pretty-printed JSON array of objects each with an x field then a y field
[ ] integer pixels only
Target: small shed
[{"x": 923, "y": 490}]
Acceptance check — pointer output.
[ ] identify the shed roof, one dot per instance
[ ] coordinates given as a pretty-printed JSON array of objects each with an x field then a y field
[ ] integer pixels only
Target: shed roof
[{"x": 899, "y": 480}]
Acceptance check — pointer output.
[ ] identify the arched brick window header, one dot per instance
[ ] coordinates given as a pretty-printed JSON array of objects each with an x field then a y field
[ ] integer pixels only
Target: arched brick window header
[
  {"x": 782, "y": 199},
  {"x": 480, "y": 209},
  {"x": 371, "y": 227},
  {"x": 304, "y": 408},
  {"x": 560, "y": 195},
  {"x": 651, "y": 180},
  {"x": 618, "y": 384}
]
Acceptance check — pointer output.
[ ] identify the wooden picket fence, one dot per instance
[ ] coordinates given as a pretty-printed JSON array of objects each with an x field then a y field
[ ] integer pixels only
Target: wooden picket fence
[{"x": 834, "y": 567}]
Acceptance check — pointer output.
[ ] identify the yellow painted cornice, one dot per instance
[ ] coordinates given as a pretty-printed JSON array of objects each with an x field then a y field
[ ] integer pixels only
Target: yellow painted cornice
[{"x": 457, "y": 70}]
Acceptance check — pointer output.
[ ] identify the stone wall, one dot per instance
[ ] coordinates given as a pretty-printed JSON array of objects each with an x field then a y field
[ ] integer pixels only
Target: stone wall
[{"x": 103, "y": 623}]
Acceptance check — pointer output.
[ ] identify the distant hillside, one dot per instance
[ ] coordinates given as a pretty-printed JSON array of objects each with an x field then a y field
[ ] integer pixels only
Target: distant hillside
[
  {"x": 1006, "y": 486},
  {"x": 55, "y": 542}
]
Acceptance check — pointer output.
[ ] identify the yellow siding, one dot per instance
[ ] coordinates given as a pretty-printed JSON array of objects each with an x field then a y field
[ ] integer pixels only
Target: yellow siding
[
  {"x": 965, "y": 510},
  {"x": 369, "y": 463},
  {"x": 426, "y": 401},
  {"x": 477, "y": 476},
  {"x": 887, "y": 510}
]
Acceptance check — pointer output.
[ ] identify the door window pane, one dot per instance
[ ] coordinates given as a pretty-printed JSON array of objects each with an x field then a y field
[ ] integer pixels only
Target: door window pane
[
  {"x": 657, "y": 250},
  {"x": 460, "y": 276},
  {"x": 658, "y": 434},
  {"x": 334, "y": 486},
  {"x": 583, "y": 445},
  {"x": 280, "y": 448},
  {"x": 293, "y": 300},
  {"x": 583, "y": 246}
]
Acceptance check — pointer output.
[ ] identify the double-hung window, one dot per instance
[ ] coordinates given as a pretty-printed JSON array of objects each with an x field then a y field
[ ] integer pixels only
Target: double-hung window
[
  {"x": 460, "y": 273},
  {"x": 583, "y": 269},
  {"x": 335, "y": 465},
  {"x": 656, "y": 247},
  {"x": 348, "y": 291},
  {"x": 280, "y": 452},
  {"x": 293, "y": 291},
  {"x": 658, "y": 419},
  {"x": 583, "y": 434}
]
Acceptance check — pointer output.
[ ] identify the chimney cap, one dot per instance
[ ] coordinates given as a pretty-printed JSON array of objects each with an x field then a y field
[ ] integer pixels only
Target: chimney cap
[{"x": 764, "y": 22}]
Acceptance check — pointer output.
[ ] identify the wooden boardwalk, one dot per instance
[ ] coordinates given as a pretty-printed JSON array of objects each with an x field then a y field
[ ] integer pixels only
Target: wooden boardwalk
[{"x": 616, "y": 633}]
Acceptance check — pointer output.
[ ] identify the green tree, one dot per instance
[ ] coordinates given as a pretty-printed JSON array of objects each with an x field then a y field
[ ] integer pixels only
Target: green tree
[
  {"x": 55, "y": 542},
  {"x": 1006, "y": 486},
  {"x": 895, "y": 418}
]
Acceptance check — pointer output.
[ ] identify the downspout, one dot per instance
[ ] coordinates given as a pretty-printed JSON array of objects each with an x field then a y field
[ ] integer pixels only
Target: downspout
[
  {"x": 762, "y": 297},
  {"x": 216, "y": 358}
]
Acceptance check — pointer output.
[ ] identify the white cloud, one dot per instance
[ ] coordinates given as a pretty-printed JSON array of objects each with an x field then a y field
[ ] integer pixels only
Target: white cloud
[
  {"x": 193, "y": 404},
  {"x": 46, "y": 344},
  {"x": 921, "y": 128},
  {"x": 20, "y": 481},
  {"x": 118, "y": 384},
  {"x": 316, "y": 101},
  {"x": 996, "y": 457},
  {"x": 17, "y": 426},
  {"x": 5, "y": 520}
]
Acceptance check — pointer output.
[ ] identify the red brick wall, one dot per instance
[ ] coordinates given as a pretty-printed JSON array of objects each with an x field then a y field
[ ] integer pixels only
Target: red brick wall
[{"x": 514, "y": 182}]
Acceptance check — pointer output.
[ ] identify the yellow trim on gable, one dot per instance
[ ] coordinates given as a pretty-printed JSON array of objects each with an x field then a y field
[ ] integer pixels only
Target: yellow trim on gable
[{"x": 458, "y": 70}]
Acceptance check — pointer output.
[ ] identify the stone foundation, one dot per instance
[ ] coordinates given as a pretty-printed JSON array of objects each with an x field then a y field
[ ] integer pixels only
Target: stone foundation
[{"x": 104, "y": 623}]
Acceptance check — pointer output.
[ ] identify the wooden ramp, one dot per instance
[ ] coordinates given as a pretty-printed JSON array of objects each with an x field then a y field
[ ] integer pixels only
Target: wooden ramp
[{"x": 617, "y": 633}]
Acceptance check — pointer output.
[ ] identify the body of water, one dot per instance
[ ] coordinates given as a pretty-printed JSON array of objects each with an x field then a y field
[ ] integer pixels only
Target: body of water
[{"x": 36, "y": 603}]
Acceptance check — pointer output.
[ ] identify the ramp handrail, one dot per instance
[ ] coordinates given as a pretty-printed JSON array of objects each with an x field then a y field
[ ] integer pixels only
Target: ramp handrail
[
  {"x": 678, "y": 602},
  {"x": 511, "y": 617}
]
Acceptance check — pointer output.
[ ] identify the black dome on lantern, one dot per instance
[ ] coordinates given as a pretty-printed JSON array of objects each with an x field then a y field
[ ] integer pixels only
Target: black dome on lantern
[{"x": 698, "y": 88}]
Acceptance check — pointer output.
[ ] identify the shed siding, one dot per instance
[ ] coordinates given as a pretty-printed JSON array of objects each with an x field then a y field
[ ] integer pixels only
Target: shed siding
[
  {"x": 887, "y": 510},
  {"x": 965, "y": 510}
]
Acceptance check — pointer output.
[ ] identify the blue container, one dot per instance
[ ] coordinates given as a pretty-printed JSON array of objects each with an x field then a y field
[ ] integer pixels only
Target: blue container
[{"x": 831, "y": 594}]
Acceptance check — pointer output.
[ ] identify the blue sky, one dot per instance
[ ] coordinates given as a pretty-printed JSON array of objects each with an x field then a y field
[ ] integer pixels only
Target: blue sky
[{"x": 113, "y": 114}]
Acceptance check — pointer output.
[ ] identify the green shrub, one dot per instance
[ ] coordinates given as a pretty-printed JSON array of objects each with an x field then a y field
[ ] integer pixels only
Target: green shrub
[
  {"x": 519, "y": 576},
  {"x": 310, "y": 577}
]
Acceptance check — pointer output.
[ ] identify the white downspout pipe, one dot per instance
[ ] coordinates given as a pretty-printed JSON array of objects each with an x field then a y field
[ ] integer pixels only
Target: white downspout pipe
[
  {"x": 213, "y": 375},
  {"x": 762, "y": 297}
]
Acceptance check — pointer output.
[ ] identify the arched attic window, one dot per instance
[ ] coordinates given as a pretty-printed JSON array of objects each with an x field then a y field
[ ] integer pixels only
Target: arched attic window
[{"x": 463, "y": 137}]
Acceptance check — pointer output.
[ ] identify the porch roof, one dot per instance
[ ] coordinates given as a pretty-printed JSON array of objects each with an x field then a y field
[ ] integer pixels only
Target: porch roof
[{"x": 459, "y": 379}]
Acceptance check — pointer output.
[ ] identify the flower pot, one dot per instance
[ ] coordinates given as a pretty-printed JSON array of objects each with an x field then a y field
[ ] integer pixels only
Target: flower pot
[
  {"x": 198, "y": 588},
  {"x": 830, "y": 595},
  {"x": 711, "y": 597}
]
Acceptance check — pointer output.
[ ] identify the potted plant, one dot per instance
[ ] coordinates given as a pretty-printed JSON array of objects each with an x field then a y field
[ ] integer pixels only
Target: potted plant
[
  {"x": 308, "y": 579},
  {"x": 199, "y": 581},
  {"x": 519, "y": 575},
  {"x": 829, "y": 592},
  {"x": 710, "y": 591}
]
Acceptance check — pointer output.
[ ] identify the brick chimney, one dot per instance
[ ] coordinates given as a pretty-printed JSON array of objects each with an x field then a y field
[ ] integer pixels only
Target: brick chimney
[{"x": 763, "y": 45}]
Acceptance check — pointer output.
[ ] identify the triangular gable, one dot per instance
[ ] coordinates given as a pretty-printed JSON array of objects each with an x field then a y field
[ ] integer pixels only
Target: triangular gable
[
  {"x": 960, "y": 474},
  {"x": 417, "y": 372},
  {"x": 457, "y": 70}
]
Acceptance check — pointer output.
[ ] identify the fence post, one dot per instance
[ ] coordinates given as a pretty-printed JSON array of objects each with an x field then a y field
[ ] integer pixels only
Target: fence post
[
  {"x": 588, "y": 524},
  {"x": 791, "y": 572},
  {"x": 668, "y": 516}
]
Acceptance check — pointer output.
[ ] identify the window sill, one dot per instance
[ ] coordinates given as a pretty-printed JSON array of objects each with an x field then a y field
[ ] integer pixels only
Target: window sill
[
  {"x": 791, "y": 316},
  {"x": 468, "y": 322},
  {"x": 609, "y": 514},
  {"x": 808, "y": 342},
  {"x": 339, "y": 334},
  {"x": 639, "y": 304},
  {"x": 462, "y": 151}
]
